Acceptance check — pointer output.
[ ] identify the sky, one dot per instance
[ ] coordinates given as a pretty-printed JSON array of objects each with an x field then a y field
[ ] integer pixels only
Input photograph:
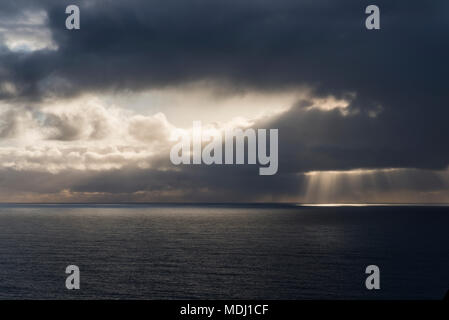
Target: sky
[{"x": 90, "y": 115}]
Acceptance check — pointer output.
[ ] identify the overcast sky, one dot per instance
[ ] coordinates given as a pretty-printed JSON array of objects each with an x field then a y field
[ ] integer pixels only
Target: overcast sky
[{"x": 91, "y": 114}]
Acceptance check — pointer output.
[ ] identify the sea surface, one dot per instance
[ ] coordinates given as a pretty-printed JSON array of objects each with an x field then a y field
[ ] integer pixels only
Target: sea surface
[{"x": 223, "y": 251}]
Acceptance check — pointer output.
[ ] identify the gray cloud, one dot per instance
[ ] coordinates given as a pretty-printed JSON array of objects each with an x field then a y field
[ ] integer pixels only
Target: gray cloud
[{"x": 140, "y": 44}]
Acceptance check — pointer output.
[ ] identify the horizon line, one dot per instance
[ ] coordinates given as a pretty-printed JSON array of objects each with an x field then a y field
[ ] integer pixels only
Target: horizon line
[{"x": 297, "y": 204}]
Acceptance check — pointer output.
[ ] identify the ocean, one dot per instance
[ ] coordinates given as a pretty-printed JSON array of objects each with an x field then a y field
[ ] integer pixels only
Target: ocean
[{"x": 223, "y": 251}]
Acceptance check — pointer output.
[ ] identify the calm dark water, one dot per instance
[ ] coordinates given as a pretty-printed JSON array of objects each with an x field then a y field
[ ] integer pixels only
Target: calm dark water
[{"x": 223, "y": 252}]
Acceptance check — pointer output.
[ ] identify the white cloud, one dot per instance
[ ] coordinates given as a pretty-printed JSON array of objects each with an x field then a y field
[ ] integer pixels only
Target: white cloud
[
  {"x": 85, "y": 134},
  {"x": 27, "y": 32}
]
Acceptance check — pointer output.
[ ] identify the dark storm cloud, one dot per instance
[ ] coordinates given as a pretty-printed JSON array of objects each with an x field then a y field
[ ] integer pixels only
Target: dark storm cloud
[
  {"x": 131, "y": 184},
  {"x": 260, "y": 44},
  {"x": 195, "y": 184},
  {"x": 328, "y": 140},
  {"x": 213, "y": 184}
]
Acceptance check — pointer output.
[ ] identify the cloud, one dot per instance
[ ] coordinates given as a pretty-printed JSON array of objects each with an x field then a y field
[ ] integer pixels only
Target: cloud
[
  {"x": 26, "y": 32},
  {"x": 375, "y": 100},
  {"x": 314, "y": 139},
  {"x": 82, "y": 135},
  {"x": 259, "y": 44},
  {"x": 129, "y": 161},
  {"x": 151, "y": 130}
]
